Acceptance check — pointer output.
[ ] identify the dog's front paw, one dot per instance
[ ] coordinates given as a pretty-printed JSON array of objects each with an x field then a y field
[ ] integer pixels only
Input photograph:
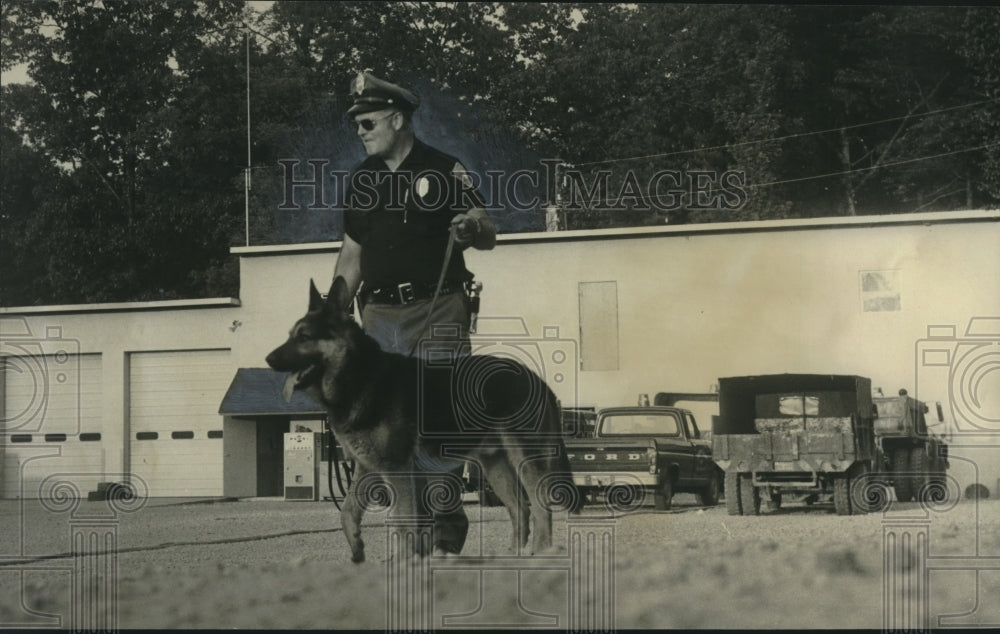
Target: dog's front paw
[
  {"x": 358, "y": 554},
  {"x": 440, "y": 551},
  {"x": 552, "y": 550}
]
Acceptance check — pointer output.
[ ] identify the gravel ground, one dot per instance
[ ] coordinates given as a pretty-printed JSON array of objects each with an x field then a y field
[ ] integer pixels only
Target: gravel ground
[{"x": 285, "y": 565}]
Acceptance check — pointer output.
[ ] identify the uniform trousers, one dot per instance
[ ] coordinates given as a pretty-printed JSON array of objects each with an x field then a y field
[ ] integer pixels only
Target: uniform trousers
[{"x": 398, "y": 329}]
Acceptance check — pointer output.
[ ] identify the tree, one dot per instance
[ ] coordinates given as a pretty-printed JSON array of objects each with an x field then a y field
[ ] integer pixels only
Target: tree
[
  {"x": 124, "y": 161},
  {"x": 138, "y": 211}
]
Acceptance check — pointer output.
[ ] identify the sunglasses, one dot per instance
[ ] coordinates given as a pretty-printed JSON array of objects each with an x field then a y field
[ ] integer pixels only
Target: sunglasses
[{"x": 369, "y": 124}]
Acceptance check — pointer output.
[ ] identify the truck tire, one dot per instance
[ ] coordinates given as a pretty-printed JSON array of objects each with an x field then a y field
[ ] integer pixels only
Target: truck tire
[
  {"x": 869, "y": 492},
  {"x": 749, "y": 495},
  {"x": 920, "y": 466},
  {"x": 842, "y": 495},
  {"x": 901, "y": 484},
  {"x": 938, "y": 486},
  {"x": 663, "y": 495},
  {"x": 709, "y": 494},
  {"x": 733, "y": 506}
]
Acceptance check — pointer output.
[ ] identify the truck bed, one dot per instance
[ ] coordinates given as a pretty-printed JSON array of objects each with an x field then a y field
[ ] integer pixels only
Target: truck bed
[{"x": 785, "y": 451}]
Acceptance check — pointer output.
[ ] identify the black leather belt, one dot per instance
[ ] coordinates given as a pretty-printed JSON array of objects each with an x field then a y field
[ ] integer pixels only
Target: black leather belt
[{"x": 407, "y": 292}]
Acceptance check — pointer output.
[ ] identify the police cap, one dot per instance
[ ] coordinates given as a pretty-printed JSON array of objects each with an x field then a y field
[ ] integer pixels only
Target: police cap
[{"x": 369, "y": 93}]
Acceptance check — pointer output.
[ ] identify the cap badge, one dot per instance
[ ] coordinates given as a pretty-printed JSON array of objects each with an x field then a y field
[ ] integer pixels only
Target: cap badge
[{"x": 359, "y": 83}]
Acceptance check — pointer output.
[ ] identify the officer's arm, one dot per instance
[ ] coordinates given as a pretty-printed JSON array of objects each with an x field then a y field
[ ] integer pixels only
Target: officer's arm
[
  {"x": 486, "y": 238},
  {"x": 474, "y": 227},
  {"x": 349, "y": 265}
]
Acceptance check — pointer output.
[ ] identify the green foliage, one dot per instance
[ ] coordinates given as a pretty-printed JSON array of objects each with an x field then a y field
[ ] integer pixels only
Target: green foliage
[{"x": 123, "y": 162}]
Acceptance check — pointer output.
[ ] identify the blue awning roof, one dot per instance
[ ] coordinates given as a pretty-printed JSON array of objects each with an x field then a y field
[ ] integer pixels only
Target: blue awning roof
[{"x": 257, "y": 392}]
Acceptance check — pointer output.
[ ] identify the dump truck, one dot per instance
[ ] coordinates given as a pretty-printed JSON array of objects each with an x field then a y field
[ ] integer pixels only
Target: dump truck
[
  {"x": 915, "y": 457},
  {"x": 804, "y": 435}
]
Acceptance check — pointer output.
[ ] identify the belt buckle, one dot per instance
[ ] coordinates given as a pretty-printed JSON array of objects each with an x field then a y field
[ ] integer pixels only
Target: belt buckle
[{"x": 406, "y": 293}]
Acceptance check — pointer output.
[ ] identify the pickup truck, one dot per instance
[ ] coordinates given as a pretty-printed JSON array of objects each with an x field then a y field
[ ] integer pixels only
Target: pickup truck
[{"x": 658, "y": 448}]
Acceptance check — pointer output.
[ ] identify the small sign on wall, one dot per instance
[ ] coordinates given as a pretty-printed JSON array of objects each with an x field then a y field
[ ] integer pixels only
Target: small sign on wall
[{"x": 880, "y": 291}]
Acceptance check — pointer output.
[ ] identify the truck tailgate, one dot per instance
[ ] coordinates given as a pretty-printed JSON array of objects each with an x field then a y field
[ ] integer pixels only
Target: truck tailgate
[
  {"x": 609, "y": 455},
  {"x": 783, "y": 451}
]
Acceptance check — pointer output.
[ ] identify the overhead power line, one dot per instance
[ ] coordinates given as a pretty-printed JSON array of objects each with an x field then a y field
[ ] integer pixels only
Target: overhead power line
[
  {"x": 713, "y": 190},
  {"x": 785, "y": 137},
  {"x": 875, "y": 167}
]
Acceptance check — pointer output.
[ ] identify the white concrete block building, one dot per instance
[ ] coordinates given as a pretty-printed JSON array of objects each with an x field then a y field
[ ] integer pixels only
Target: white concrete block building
[{"x": 93, "y": 393}]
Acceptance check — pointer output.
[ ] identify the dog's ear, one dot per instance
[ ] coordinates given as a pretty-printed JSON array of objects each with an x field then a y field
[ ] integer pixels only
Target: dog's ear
[
  {"x": 339, "y": 297},
  {"x": 315, "y": 299}
]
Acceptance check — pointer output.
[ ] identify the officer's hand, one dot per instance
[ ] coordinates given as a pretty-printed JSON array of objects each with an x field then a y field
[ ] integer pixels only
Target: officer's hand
[{"x": 466, "y": 229}]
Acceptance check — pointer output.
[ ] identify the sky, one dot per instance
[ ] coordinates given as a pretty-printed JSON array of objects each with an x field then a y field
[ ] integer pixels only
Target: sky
[{"x": 19, "y": 74}]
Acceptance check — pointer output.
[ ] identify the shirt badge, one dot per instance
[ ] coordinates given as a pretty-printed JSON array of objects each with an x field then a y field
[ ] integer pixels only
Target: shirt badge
[{"x": 423, "y": 186}]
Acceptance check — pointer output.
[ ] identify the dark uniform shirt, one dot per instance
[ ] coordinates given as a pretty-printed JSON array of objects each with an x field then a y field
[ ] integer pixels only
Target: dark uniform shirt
[{"x": 402, "y": 219}]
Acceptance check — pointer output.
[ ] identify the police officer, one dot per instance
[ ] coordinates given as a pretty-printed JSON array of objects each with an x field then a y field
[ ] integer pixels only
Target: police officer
[{"x": 403, "y": 203}]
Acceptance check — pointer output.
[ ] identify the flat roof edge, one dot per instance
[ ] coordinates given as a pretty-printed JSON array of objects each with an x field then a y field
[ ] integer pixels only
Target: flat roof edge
[
  {"x": 751, "y": 226},
  {"x": 170, "y": 304}
]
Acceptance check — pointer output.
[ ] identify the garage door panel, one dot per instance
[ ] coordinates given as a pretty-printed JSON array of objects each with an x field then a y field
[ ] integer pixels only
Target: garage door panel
[
  {"x": 178, "y": 392},
  {"x": 187, "y": 468},
  {"x": 46, "y": 397},
  {"x": 167, "y": 403},
  {"x": 65, "y": 398},
  {"x": 27, "y": 469}
]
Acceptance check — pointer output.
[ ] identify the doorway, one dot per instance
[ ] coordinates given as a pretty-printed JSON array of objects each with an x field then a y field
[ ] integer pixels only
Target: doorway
[{"x": 271, "y": 456}]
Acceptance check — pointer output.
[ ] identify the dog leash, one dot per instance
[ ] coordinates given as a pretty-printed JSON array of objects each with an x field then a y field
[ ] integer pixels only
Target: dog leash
[{"x": 437, "y": 290}]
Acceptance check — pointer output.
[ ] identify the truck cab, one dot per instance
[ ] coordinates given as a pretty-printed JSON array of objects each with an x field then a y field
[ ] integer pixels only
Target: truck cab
[{"x": 916, "y": 457}]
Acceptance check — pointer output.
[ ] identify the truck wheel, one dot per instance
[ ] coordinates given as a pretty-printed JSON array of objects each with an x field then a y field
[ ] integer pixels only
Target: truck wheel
[
  {"x": 709, "y": 494},
  {"x": 901, "y": 465},
  {"x": 870, "y": 493},
  {"x": 733, "y": 494},
  {"x": 749, "y": 495},
  {"x": 920, "y": 467},
  {"x": 842, "y": 495},
  {"x": 937, "y": 490},
  {"x": 663, "y": 495}
]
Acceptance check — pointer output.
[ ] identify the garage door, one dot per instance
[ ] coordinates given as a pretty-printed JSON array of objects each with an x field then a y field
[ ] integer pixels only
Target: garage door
[
  {"x": 175, "y": 431},
  {"x": 53, "y": 423}
]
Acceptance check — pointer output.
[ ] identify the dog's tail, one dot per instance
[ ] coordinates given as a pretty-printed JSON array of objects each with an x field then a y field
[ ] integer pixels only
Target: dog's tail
[
  {"x": 562, "y": 490},
  {"x": 575, "y": 498}
]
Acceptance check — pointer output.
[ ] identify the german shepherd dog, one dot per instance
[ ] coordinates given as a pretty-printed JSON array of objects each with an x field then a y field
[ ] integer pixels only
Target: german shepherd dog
[{"x": 386, "y": 409}]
